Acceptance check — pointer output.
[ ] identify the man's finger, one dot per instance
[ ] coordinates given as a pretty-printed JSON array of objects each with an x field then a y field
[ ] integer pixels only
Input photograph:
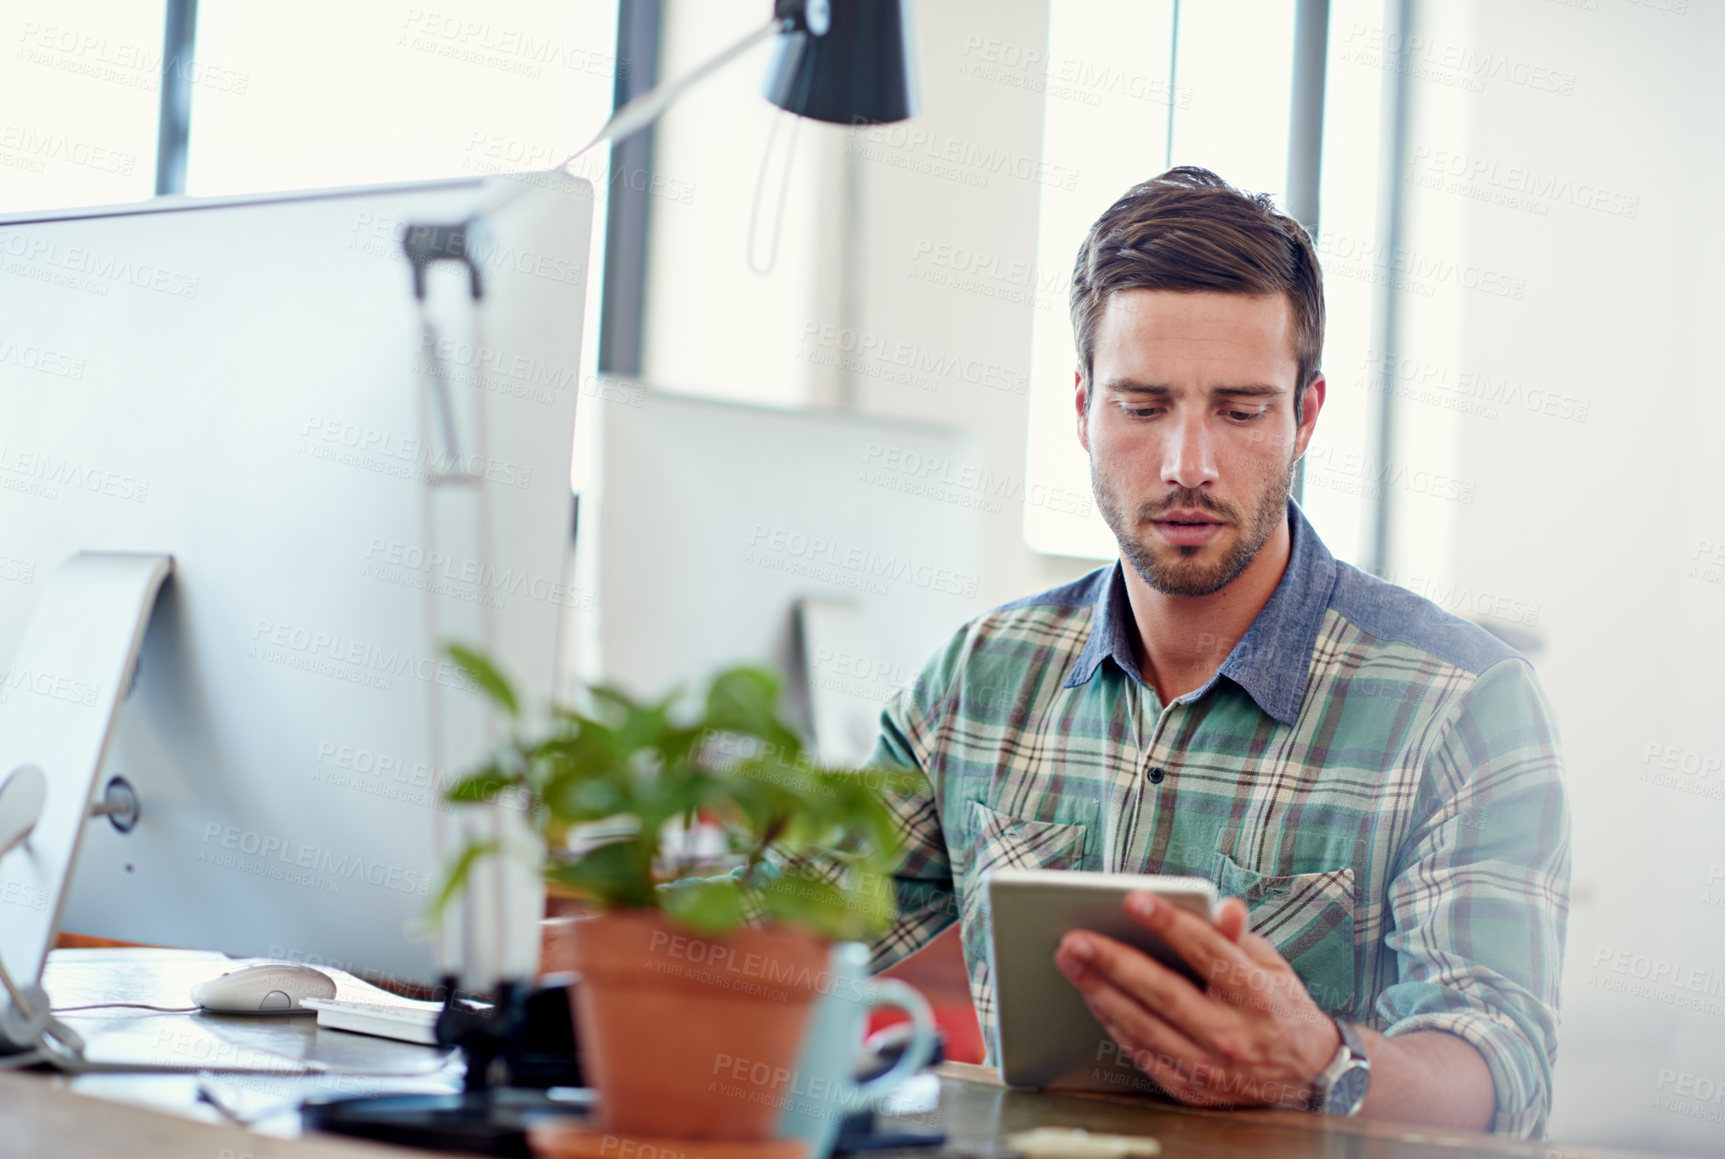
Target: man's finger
[
  {"x": 1146, "y": 1031},
  {"x": 1260, "y": 949},
  {"x": 1199, "y": 943},
  {"x": 1270, "y": 982},
  {"x": 1090, "y": 960},
  {"x": 1229, "y": 918},
  {"x": 1182, "y": 1081},
  {"x": 1166, "y": 1071}
]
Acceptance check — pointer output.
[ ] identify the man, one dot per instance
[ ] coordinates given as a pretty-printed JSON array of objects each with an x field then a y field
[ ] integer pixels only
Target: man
[{"x": 1374, "y": 782}]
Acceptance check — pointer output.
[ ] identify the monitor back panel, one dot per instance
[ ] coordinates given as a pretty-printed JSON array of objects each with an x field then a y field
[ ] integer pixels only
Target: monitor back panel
[{"x": 238, "y": 385}]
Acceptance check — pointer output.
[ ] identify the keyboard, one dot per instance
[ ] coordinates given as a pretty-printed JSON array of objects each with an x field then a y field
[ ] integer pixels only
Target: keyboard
[{"x": 402, "y": 1021}]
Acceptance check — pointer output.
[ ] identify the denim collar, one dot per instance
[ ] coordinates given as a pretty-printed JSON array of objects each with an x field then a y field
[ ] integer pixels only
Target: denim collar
[{"x": 1270, "y": 661}]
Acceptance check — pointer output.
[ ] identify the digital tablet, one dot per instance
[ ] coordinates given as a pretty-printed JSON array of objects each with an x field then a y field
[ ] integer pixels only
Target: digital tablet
[{"x": 1045, "y": 1035}]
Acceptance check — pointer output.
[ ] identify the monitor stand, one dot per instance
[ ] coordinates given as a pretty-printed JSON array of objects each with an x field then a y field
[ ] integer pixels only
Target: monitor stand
[{"x": 58, "y": 702}]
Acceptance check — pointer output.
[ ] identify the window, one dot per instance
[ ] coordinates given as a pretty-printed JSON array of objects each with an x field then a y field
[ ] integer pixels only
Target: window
[
  {"x": 80, "y": 94},
  {"x": 339, "y": 94}
]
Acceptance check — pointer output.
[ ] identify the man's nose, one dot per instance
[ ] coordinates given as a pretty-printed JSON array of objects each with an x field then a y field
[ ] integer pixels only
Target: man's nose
[{"x": 1188, "y": 459}]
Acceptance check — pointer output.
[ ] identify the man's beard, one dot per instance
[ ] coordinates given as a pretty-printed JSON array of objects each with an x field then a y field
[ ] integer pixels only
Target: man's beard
[{"x": 1182, "y": 575}]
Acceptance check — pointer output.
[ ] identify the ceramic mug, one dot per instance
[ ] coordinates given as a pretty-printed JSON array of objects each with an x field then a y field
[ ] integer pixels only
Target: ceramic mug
[{"x": 824, "y": 1089}]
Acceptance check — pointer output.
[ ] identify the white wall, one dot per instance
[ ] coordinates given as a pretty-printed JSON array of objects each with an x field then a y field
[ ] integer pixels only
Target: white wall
[{"x": 1581, "y": 204}]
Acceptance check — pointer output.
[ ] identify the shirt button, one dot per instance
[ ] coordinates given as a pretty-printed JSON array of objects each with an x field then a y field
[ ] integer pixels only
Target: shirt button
[{"x": 1156, "y": 776}]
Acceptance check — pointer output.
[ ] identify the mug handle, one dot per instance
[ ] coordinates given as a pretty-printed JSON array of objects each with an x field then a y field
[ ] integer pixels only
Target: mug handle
[{"x": 892, "y": 992}]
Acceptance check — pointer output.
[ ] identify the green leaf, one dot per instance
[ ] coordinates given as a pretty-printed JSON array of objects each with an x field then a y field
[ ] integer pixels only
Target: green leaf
[
  {"x": 456, "y": 879},
  {"x": 820, "y": 905},
  {"x": 479, "y": 670},
  {"x": 575, "y": 799},
  {"x": 712, "y": 905},
  {"x": 584, "y": 777},
  {"x": 481, "y": 786},
  {"x": 592, "y": 748},
  {"x": 745, "y": 700},
  {"x": 616, "y": 707},
  {"x": 748, "y": 690},
  {"x": 617, "y": 874},
  {"x": 675, "y": 791}
]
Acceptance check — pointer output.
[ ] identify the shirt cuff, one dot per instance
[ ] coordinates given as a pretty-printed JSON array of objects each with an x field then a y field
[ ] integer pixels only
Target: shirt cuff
[{"x": 1523, "y": 1095}]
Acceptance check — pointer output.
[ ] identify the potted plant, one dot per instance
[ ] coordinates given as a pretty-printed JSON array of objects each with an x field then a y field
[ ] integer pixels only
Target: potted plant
[{"x": 696, "y": 830}]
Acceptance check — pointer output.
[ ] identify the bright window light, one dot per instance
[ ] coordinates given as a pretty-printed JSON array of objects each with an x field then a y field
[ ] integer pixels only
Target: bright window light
[
  {"x": 341, "y": 94},
  {"x": 79, "y": 102}
]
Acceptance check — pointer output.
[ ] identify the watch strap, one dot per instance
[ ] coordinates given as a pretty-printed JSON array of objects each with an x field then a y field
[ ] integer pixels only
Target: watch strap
[{"x": 1350, "y": 1055}]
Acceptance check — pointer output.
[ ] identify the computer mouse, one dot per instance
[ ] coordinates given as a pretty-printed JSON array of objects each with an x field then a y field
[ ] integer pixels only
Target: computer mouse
[{"x": 269, "y": 989}]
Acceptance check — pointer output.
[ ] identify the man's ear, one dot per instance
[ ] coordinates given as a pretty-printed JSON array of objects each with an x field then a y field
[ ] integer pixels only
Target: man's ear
[
  {"x": 1081, "y": 395},
  {"x": 1314, "y": 402}
]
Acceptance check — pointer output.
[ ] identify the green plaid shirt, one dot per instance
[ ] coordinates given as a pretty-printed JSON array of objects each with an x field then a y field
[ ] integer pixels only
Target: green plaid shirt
[{"x": 1378, "y": 779}]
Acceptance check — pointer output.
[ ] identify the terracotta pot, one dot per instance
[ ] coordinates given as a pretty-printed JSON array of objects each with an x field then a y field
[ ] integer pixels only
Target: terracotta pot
[{"x": 689, "y": 1036}]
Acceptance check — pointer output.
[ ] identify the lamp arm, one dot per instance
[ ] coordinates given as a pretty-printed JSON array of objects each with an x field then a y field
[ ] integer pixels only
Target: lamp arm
[
  {"x": 650, "y": 105},
  {"x": 647, "y": 108}
]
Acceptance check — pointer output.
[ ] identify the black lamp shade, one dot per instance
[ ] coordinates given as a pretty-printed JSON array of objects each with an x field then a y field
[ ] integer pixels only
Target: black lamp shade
[{"x": 860, "y": 72}]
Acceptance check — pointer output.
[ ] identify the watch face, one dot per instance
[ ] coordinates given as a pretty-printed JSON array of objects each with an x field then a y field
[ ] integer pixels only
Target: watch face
[{"x": 1349, "y": 1091}]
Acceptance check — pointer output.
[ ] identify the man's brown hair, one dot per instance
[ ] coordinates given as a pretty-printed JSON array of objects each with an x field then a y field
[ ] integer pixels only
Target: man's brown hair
[{"x": 1190, "y": 230}]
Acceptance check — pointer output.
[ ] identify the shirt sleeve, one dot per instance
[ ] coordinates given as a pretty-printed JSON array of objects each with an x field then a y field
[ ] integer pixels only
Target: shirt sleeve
[
  {"x": 922, "y": 877},
  {"x": 1480, "y": 899}
]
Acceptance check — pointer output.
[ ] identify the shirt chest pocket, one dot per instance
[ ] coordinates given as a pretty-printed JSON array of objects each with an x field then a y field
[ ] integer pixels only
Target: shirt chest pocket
[
  {"x": 1308, "y": 917},
  {"x": 999, "y": 841}
]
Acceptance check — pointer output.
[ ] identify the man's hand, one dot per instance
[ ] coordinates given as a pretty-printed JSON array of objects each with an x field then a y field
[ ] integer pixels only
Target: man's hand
[{"x": 1253, "y": 1037}]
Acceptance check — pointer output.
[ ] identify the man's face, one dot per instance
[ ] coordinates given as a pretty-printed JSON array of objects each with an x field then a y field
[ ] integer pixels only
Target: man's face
[{"x": 1189, "y": 422}]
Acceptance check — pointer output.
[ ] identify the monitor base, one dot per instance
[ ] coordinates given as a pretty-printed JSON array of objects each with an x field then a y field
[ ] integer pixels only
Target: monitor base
[{"x": 490, "y": 1122}]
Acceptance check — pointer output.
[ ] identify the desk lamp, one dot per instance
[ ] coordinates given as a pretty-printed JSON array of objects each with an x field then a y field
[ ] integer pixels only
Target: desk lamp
[{"x": 847, "y": 62}]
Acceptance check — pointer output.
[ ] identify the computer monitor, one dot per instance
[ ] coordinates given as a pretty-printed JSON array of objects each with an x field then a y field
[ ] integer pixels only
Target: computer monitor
[
  {"x": 249, "y": 386},
  {"x": 842, "y": 548}
]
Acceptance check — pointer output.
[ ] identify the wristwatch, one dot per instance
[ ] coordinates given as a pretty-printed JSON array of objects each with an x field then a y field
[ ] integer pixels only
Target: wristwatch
[{"x": 1341, "y": 1088}]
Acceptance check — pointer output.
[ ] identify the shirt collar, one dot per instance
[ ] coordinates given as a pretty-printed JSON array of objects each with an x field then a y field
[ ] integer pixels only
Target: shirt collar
[{"x": 1270, "y": 661}]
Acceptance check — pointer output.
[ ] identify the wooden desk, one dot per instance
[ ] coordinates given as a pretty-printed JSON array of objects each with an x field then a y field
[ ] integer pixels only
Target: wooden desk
[
  {"x": 45, "y": 1118},
  {"x": 54, "y": 1115},
  {"x": 40, "y": 1120},
  {"x": 976, "y": 1108}
]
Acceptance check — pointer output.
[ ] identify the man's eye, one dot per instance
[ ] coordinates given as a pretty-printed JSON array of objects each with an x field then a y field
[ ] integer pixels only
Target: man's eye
[
  {"x": 1245, "y": 415},
  {"x": 1142, "y": 412}
]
